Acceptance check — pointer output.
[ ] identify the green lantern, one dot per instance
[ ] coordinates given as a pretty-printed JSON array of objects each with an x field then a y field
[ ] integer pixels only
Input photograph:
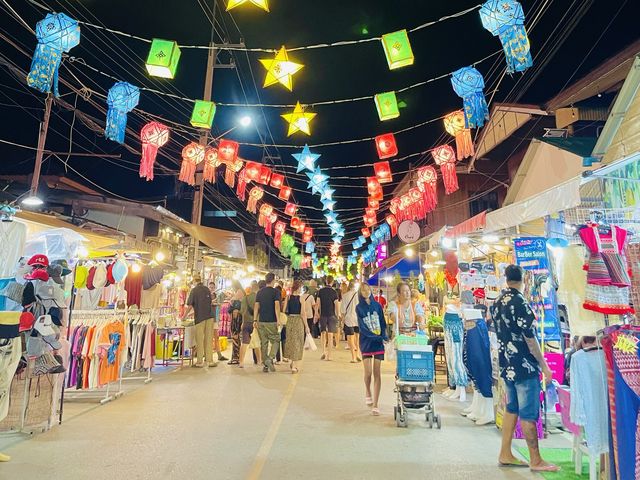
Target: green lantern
[
  {"x": 203, "y": 113},
  {"x": 387, "y": 105},
  {"x": 397, "y": 48},
  {"x": 163, "y": 58}
]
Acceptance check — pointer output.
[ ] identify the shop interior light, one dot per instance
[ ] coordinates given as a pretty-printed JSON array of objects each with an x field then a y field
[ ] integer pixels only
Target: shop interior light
[
  {"x": 32, "y": 201},
  {"x": 251, "y": 269},
  {"x": 447, "y": 242},
  {"x": 434, "y": 253},
  {"x": 159, "y": 256},
  {"x": 409, "y": 252},
  {"x": 135, "y": 267},
  {"x": 490, "y": 238}
]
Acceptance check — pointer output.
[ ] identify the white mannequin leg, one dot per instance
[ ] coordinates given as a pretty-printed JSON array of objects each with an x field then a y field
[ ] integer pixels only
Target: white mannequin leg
[
  {"x": 462, "y": 393},
  {"x": 448, "y": 392},
  {"x": 486, "y": 413},
  {"x": 474, "y": 402},
  {"x": 455, "y": 395}
]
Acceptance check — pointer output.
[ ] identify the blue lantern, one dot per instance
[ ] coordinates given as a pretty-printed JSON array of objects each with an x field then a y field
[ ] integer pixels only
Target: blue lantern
[
  {"x": 122, "y": 98},
  {"x": 505, "y": 19},
  {"x": 468, "y": 84},
  {"x": 56, "y": 34},
  {"x": 310, "y": 247}
]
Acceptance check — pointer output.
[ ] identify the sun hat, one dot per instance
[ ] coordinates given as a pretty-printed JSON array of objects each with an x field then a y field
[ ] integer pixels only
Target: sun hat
[
  {"x": 100, "y": 275},
  {"x": 64, "y": 265},
  {"x": 55, "y": 274},
  {"x": 82, "y": 272},
  {"x": 110, "y": 278},
  {"x": 39, "y": 260},
  {"x": 90, "y": 276}
]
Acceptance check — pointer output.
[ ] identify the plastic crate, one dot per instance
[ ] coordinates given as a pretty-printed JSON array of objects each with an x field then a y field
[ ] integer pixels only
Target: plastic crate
[
  {"x": 412, "y": 340},
  {"x": 416, "y": 365}
]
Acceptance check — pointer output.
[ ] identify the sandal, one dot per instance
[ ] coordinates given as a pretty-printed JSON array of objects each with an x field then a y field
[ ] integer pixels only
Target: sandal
[
  {"x": 368, "y": 401},
  {"x": 294, "y": 370},
  {"x": 375, "y": 411},
  {"x": 547, "y": 468}
]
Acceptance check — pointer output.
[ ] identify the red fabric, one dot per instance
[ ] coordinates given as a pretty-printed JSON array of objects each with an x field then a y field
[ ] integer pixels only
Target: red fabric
[{"x": 133, "y": 286}]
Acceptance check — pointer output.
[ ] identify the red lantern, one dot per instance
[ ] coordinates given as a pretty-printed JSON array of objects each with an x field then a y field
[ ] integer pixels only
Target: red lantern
[
  {"x": 386, "y": 146},
  {"x": 241, "y": 189},
  {"x": 393, "y": 224},
  {"x": 295, "y": 222},
  {"x": 300, "y": 228},
  {"x": 370, "y": 212},
  {"x": 210, "y": 164},
  {"x": 285, "y": 193},
  {"x": 428, "y": 185},
  {"x": 308, "y": 234},
  {"x": 374, "y": 188},
  {"x": 192, "y": 155},
  {"x": 279, "y": 230},
  {"x": 268, "y": 228},
  {"x": 383, "y": 172},
  {"x": 252, "y": 171},
  {"x": 277, "y": 180},
  {"x": 446, "y": 158},
  {"x": 228, "y": 151},
  {"x": 373, "y": 203},
  {"x": 366, "y": 233},
  {"x": 290, "y": 209},
  {"x": 265, "y": 175},
  {"x": 454, "y": 124},
  {"x": 369, "y": 221},
  {"x": 153, "y": 136},
  {"x": 265, "y": 213},
  {"x": 255, "y": 194}
]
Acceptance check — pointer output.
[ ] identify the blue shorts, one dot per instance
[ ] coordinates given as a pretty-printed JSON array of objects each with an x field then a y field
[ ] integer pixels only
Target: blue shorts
[{"x": 523, "y": 398}]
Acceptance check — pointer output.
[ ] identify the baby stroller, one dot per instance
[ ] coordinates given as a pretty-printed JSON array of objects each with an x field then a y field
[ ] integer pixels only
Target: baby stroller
[{"x": 415, "y": 376}]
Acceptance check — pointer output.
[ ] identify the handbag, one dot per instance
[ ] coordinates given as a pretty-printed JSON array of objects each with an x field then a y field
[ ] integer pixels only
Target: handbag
[
  {"x": 255, "y": 339},
  {"x": 282, "y": 318}
]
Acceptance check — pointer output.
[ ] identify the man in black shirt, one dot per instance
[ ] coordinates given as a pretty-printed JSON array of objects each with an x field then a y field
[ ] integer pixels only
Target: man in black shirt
[
  {"x": 200, "y": 302},
  {"x": 265, "y": 317},
  {"x": 327, "y": 311},
  {"x": 520, "y": 363}
]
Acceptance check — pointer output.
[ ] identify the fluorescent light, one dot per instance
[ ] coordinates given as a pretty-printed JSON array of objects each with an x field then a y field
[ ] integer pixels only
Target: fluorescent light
[
  {"x": 490, "y": 238},
  {"x": 32, "y": 201}
]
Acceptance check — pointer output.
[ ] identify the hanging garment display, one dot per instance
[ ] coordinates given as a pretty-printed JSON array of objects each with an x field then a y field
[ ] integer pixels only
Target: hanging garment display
[
  {"x": 477, "y": 352},
  {"x": 453, "y": 345}
]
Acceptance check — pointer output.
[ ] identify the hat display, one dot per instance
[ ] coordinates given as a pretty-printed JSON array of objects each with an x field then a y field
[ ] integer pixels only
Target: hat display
[
  {"x": 55, "y": 274},
  {"x": 110, "y": 278},
  {"x": 64, "y": 265},
  {"x": 119, "y": 270},
  {"x": 44, "y": 325},
  {"x": 491, "y": 294},
  {"x": 13, "y": 291},
  {"x": 39, "y": 260},
  {"x": 466, "y": 297},
  {"x": 100, "y": 275},
  {"x": 26, "y": 321},
  {"x": 463, "y": 266},
  {"x": 488, "y": 268},
  {"x": 28, "y": 294},
  {"x": 82, "y": 272},
  {"x": 9, "y": 323},
  {"x": 90, "y": 277},
  {"x": 472, "y": 314},
  {"x": 50, "y": 291},
  {"x": 151, "y": 276},
  {"x": 479, "y": 293},
  {"x": 38, "y": 274}
]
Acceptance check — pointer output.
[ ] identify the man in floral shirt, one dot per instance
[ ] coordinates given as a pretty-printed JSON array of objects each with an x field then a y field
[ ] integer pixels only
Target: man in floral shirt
[{"x": 520, "y": 363}]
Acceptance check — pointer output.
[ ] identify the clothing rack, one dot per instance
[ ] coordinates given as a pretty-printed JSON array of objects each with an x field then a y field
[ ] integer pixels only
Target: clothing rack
[{"x": 149, "y": 318}]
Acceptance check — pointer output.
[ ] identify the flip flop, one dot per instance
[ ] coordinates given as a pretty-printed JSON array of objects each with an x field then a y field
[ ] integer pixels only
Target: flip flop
[
  {"x": 513, "y": 465},
  {"x": 375, "y": 412},
  {"x": 368, "y": 401},
  {"x": 547, "y": 468},
  {"x": 353, "y": 361}
]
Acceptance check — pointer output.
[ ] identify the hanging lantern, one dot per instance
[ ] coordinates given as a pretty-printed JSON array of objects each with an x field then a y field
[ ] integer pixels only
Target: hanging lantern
[
  {"x": 373, "y": 203},
  {"x": 300, "y": 228},
  {"x": 152, "y": 136},
  {"x": 295, "y": 222},
  {"x": 369, "y": 221},
  {"x": 279, "y": 229},
  {"x": 163, "y": 57},
  {"x": 383, "y": 172},
  {"x": 192, "y": 155},
  {"x": 298, "y": 120},
  {"x": 307, "y": 235},
  {"x": 386, "y": 146},
  {"x": 454, "y": 125},
  {"x": 366, "y": 233},
  {"x": 387, "y": 105},
  {"x": 56, "y": 33},
  {"x": 290, "y": 209},
  {"x": 252, "y": 171},
  {"x": 203, "y": 113},
  {"x": 285, "y": 193},
  {"x": 268, "y": 228},
  {"x": 374, "y": 188},
  {"x": 428, "y": 185},
  {"x": 241, "y": 188},
  {"x": 393, "y": 224},
  {"x": 210, "y": 164},
  {"x": 397, "y": 49},
  {"x": 121, "y": 99},
  {"x": 469, "y": 85},
  {"x": 277, "y": 180},
  {"x": 265, "y": 175},
  {"x": 228, "y": 156},
  {"x": 255, "y": 194},
  {"x": 265, "y": 213},
  {"x": 445, "y": 157},
  {"x": 280, "y": 70},
  {"x": 505, "y": 19},
  {"x": 263, "y": 4},
  {"x": 306, "y": 159},
  {"x": 309, "y": 247}
]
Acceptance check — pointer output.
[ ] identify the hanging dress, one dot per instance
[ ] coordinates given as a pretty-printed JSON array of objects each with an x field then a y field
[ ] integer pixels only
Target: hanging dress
[{"x": 453, "y": 346}]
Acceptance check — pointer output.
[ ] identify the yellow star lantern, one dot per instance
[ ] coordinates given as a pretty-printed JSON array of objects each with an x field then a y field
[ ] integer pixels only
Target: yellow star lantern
[
  {"x": 263, "y": 4},
  {"x": 280, "y": 69},
  {"x": 298, "y": 120}
]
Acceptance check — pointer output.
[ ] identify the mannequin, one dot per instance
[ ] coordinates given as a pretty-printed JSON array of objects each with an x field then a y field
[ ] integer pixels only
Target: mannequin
[
  {"x": 453, "y": 345},
  {"x": 10, "y": 353},
  {"x": 477, "y": 358}
]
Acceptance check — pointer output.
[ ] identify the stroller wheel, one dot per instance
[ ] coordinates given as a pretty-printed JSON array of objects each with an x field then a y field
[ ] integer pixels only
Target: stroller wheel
[
  {"x": 430, "y": 419},
  {"x": 438, "y": 422},
  {"x": 401, "y": 421}
]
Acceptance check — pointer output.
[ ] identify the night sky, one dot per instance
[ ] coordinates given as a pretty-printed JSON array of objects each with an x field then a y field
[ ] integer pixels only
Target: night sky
[{"x": 329, "y": 74}]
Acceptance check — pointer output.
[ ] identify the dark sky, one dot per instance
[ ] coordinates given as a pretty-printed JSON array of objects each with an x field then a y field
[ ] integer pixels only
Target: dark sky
[{"x": 329, "y": 73}]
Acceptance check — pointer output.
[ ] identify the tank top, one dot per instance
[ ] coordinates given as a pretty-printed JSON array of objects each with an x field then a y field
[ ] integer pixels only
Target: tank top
[{"x": 294, "y": 306}]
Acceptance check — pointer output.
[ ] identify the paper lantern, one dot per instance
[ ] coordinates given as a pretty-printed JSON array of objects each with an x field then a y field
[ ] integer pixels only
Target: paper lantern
[
  {"x": 428, "y": 184},
  {"x": 295, "y": 222},
  {"x": 255, "y": 194},
  {"x": 277, "y": 180},
  {"x": 241, "y": 188},
  {"x": 373, "y": 203},
  {"x": 152, "y": 136},
  {"x": 252, "y": 171},
  {"x": 56, "y": 33},
  {"x": 228, "y": 156},
  {"x": 309, "y": 247},
  {"x": 369, "y": 221},
  {"x": 386, "y": 146},
  {"x": 382, "y": 171},
  {"x": 392, "y": 221},
  {"x": 468, "y": 84},
  {"x": 374, "y": 188},
  {"x": 299, "y": 120},
  {"x": 387, "y": 105},
  {"x": 263, "y": 4},
  {"x": 265, "y": 213},
  {"x": 210, "y": 164},
  {"x": 203, "y": 113},
  {"x": 192, "y": 155},
  {"x": 397, "y": 49},
  {"x": 290, "y": 209},
  {"x": 366, "y": 233},
  {"x": 268, "y": 228},
  {"x": 121, "y": 99},
  {"x": 163, "y": 57},
  {"x": 370, "y": 212},
  {"x": 301, "y": 226},
  {"x": 265, "y": 175},
  {"x": 280, "y": 69},
  {"x": 445, "y": 157},
  {"x": 279, "y": 229},
  {"x": 285, "y": 193},
  {"x": 454, "y": 124},
  {"x": 306, "y": 159},
  {"x": 505, "y": 19}
]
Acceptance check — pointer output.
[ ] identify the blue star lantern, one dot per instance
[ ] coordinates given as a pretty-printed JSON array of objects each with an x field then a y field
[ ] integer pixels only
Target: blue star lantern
[
  {"x": 306, "y": 159},
  {"x": 327, "y": 194},
  {"x": 328, "y": 204}
]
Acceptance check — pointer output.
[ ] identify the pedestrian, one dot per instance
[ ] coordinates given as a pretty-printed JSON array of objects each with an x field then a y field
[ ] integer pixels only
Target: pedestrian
[
  {"x": 216, "y": 325},
  {"x": 327, "y": 311},
  {"x": 282, "y": 327},
  {"x": 296, "y": 326},
  {"x": 313, "y": 291},
  {"x": 407, "y": 317},
  {"x": 308, "y": 308},
  {"x": 265, "y": 317},
  {"x": 373, "y": 334},
  {"x": 380, "y": 298},
  {"x": 236, "y": 321},
  {"x": 199, "y": 301},
  {"x": 350, "y": 320},
  {"x": 520, "y": 361},
  {"x": 247, "y": 325}
]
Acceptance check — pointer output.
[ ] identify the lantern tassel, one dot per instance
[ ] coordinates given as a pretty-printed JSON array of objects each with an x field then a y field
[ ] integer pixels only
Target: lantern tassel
[
  {"x": 116, "y": 125},
  {"x": 209, "y": 172},
  {"x": 241, "y": 189},
  {"x": 449, "y": 177},
  {"x": 476, "y": 110},
  {"x": 229, "y": 176},
  {"x": 517, "y": 49},
  {"x": 44, "y": 69},
  {"x": 188, "y": 172},
  {"x": 252, "y": 204},
  {"x": 464, "y": 144},
  {"x": 149, "y": 152}
]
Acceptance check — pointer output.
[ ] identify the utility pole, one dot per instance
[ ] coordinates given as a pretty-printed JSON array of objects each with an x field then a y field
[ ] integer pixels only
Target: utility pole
[{"x": 42, "y": 138}]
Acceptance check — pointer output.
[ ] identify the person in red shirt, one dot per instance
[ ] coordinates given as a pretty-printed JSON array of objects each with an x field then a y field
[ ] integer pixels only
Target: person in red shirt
[{"x": 380, "y": 299}]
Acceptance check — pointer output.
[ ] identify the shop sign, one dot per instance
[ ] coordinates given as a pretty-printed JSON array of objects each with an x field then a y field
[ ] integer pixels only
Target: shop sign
[
  {"x": 409, "y": 231},
  {"x": 531, "y": 255}
]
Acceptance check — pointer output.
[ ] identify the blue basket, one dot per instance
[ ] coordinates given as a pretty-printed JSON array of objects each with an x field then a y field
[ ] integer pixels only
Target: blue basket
[{"x": 415, "y": 366}]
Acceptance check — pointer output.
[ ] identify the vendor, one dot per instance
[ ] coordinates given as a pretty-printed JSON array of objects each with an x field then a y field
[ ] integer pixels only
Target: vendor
[{"x": 407, "y": 317}]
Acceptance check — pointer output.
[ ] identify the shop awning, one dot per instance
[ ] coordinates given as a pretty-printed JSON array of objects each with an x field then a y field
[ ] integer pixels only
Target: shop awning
[
  {"x": 221, "y": 241},
  {"x": 471, "y": 225},
  {"x": 398, "y": 263}
]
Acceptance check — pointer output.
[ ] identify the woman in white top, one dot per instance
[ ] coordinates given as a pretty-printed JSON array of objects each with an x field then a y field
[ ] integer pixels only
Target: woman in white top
[
  {"x": 406, "y": 317},
  {"x": 350, "y": 320}
]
